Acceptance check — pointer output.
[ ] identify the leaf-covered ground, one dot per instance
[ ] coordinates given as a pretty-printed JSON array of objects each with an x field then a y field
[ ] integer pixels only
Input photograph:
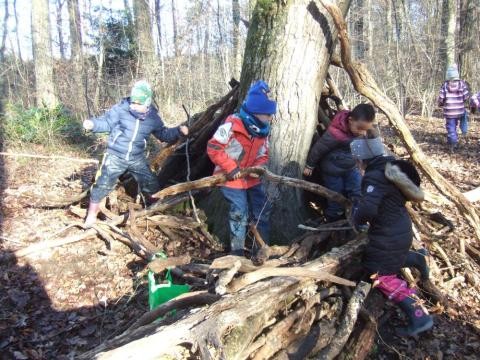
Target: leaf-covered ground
[{"x": 63, "y": 301}]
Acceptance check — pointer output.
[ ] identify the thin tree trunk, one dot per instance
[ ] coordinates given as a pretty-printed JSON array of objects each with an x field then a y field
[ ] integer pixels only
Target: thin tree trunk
[
  {"x": 449, "y": 21},
  {"x": 42, "y": 54},
  {"x": 174, "y": 24},
  {"x": 75, "y": 29},
  {"x": 285, "y": 41},
  {"x": 145, "y": 53},
  {"x": 61, "y": 43},
  {"x": 5, "y": 31},
  {"x": 236, "y": 38},
  {"x": 16, "y": 29}
]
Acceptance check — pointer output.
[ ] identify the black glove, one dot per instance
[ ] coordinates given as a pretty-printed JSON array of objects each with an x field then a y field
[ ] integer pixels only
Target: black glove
[{"x": 231, "y": 174}]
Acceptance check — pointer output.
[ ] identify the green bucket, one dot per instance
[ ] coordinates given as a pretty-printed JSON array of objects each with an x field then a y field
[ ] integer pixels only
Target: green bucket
[{"x": 161, "y": 293}]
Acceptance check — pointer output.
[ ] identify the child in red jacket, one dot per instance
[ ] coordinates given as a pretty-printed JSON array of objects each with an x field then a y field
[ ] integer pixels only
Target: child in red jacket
[{"x": 241, "y": 142}]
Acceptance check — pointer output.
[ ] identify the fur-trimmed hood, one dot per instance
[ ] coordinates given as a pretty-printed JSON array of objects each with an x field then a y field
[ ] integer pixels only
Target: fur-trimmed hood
[{"x": 408, "y": 188}]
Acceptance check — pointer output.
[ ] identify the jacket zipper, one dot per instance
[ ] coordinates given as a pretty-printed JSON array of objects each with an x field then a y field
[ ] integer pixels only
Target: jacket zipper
[
  {"x": 130, "y": 145},
  {"x": 115, "y": 138}
]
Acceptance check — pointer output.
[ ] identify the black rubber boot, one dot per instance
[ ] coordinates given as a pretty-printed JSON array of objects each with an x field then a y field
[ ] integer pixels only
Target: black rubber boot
[
  {"x": 417, "y": 259},
  {"x": 418, "y": 320}
]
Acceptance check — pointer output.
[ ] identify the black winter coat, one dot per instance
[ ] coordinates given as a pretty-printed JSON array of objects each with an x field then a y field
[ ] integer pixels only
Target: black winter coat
[
  {"x": 383, "y": 206},
  {"x": 129, "y": 130},
  {"x": 332, "y": 150}
]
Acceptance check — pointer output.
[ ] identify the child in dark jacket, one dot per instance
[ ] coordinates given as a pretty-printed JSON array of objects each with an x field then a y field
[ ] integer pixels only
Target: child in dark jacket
[
  {"x": 452, "y": 97},
  {"x": 331, "y": 153},
  {"x": 386, "y": 186},
  {"x": 129, "y": 123}
]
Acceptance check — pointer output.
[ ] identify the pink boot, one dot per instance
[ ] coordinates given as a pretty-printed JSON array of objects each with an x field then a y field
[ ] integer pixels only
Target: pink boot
[{"x": 91, "y": 219}]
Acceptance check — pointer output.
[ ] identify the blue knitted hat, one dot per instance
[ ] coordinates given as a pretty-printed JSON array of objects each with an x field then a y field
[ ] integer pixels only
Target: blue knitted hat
[
  {"x": 257, "y": 101},
  {"x": 452, "y": 73}
]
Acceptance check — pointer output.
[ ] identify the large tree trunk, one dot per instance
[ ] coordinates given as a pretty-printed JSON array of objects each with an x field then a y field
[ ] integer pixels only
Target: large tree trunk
[
  {"x": 42, "y": 54},
  {"x": 145, "y": 51},
  {"x": 61, "y": 43},
  {"x": 75, "y": 29},
  {"x": 289, "y": 45}
]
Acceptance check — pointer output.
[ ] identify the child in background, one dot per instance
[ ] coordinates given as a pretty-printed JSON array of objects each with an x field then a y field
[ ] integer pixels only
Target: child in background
[
  {"x": 453, "y": 94},
  {"x": 129, "y": 123},
  {"x": 332, "y": 153},
  {"x": 386, "y": 186},
  {"x": 241, "y": 142}
]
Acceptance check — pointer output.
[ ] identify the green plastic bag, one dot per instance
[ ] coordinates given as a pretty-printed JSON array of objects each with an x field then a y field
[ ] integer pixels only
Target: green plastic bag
[{"x": 167, "y": 290}]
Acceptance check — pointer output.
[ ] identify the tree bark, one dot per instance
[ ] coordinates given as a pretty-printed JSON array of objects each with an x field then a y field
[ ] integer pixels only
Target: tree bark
[
  {"x": 236, "y": 38},
  {"x": 42, "y": 55},
  {"x": 75, "y": 29},
  {"x": 4, "y": 33},
  {"x": 285, "y": 41},
  {"x": 174, "y": 24},
  {"x": 449, "y": 18},
  {"x": 146, "y": 47},
  {"x": 61, "y": 43},
  {"x": 469, "y": 12},
  {"x": 17, "y": 36},
  {"x": 365, "y": 85}
]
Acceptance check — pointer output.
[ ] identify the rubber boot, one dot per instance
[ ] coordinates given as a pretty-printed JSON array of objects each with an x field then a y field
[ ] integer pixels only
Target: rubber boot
[
  {"x": 417, "y": 259},
  {"x": 91, "y": 219},
  {"x": 418, "y": 319}
]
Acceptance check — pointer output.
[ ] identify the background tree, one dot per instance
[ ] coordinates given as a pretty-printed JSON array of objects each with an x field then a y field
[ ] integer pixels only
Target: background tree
[{"x": 42, "y": 54}]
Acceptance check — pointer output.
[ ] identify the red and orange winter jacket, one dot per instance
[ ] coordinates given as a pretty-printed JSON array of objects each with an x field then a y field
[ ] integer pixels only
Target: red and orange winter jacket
[{"x": 232, "y": 146}]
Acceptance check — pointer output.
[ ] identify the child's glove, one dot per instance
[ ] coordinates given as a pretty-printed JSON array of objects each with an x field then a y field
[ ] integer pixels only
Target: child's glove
[
  {"x": 234, "y": 174},
  {"x": 88, "y": 124},
  {"x": 308, "y": 170},
  {"x": 183, "y": 130}
]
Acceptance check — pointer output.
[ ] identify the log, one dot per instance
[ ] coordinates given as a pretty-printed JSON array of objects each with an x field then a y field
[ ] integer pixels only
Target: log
[
  {"x": 247, "y": 265},
  {"x": 365, "y": 84},
  {"x": 218, "y": 179},
  {"x": 348, "y": 322},
  {"x": 159, "y": 265},
  {"x": 266, "y": 272},
  {"x": 229, "y": 326},
  {"x": 183, "y": 301}
]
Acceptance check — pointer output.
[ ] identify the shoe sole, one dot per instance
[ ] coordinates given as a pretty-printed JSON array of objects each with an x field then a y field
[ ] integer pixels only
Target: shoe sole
[{"x": 423, "y": 328}]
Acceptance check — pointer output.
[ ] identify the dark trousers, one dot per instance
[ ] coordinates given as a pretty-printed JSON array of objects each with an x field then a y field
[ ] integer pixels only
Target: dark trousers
[
  {"x": 348, "y": 185},
  {"x": 247, "y": 205},
  {"x": 110, "y": 170}
]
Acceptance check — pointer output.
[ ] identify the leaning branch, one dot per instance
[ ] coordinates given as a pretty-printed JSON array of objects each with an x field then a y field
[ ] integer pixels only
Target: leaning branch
[{"x": 365, "y": 84}]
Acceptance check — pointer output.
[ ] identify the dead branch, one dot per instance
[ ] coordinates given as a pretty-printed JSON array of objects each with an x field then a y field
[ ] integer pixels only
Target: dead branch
[
  {"x": 265, "y": 272},
  {"x": 51, "y": 157},
  {"x": 365, "y": 84},
  {"x": 348, "y": 321},
  {"x": 159, "y": 265},
  {"x": 218, "y": 179},
  {"x": 196, "y": 298},
  {"x": 225, "y": 277},
  {"x": 226, "y": 262}
]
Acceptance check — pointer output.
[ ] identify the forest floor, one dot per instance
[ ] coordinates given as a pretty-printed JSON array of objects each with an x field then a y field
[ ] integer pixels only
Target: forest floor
[{"x": 60, "y": 302}]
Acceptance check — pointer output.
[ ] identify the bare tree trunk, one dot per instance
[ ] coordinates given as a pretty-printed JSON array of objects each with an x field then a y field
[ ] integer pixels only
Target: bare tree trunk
[
  {"x": 145, "y": 52},
  {"x": 369, "y": 44},
  {"x": 285, "y": 41},
  {"x": 5, "y": 31},
  {"x": 16, "y": 27},
  {"x": 75, "y": 29},
  {"x": 174, "y": 24},
  {"x": 61, "y": 43},
  {"x": 42, "y": 54},
  {"x": 449, "y": 18},
  {"x": 236, "y": 38},
  {"x": 468, "y": 13},
  {"x": 206, "y": 55}
]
